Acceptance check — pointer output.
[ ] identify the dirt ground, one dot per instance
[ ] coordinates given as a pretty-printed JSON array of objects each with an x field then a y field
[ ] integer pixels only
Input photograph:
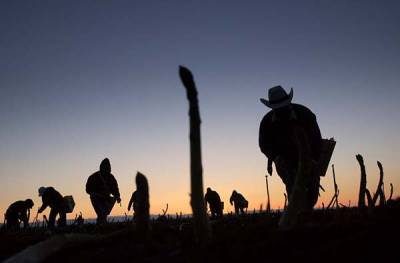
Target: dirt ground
[{"x": 334, "y": 235}]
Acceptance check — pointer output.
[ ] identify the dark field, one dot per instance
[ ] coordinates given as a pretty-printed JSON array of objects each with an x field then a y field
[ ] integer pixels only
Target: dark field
[{"x": 334, "y": 235}]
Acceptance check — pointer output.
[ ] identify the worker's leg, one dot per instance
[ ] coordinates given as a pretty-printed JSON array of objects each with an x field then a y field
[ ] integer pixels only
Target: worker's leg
[
  {"x": 236, "y": 209},
  {"x": 287, "y": 172},
  {"x": 52, "y": 217},
  {"x": 313, "y": 191},
  {"x": 99, "y": 208},
  {"x": 62, "y": 221},
  {"x": 242, "y": 210},
  {"x": 12, "y": 221},
  {"x": 220, "y": 211},
  {"x": 24, "y": 218}
]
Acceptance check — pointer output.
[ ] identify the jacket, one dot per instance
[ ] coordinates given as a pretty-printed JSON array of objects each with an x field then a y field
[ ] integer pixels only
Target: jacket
[
  {"x": 102, "y": 184},
  {"x": 275, "y": 133},
  {"x": 52, "y": 198}
]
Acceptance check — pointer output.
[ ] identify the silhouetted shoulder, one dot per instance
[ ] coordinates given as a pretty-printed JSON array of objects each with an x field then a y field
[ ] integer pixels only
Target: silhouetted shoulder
[
  {"x": 301, "y": 109},
  {"x": 267, "y": 117}
]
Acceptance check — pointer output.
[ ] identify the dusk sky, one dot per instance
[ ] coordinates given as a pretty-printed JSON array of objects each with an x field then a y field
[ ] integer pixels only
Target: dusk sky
[{"x": 85, "y": 80}]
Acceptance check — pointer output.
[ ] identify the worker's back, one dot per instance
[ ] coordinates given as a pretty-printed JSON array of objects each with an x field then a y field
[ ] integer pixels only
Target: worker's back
[{"x": 53, "y": 198}]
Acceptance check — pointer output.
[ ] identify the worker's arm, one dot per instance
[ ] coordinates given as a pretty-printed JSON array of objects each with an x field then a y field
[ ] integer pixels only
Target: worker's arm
[
  {"x": 130, "y": 202},
  {"x": 266, "y": 143},
  {"x": 114, "y": 189},
  {"x": 43, "y": 207},
  {"x": 25, "y": 218}
]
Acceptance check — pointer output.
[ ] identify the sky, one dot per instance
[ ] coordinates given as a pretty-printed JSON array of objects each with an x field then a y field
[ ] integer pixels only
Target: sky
[{"x": 85, "y": 80}]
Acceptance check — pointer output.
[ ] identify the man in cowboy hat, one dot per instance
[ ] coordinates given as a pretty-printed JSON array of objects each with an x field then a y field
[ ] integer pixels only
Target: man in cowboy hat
[{"x": 277, "y": 142}]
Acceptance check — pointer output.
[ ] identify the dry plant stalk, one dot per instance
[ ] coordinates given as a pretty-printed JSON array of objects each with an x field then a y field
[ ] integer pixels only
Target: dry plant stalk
[
  {"x": 363, "y": 183},
  {"x": 391, "y": 192},
  {"x": 370, "y": 201},
  {"x": 201, "y": 225},
  {"x": 142, "y": 215},
  {"x": 379, "y": 190},
  {"x": 297, "y": 199},
  {"x": 268, "y": 200},
  {"x": 334, "y": 199}
]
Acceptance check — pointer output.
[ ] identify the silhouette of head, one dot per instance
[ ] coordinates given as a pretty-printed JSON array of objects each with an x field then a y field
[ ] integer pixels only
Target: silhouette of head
[
  {"x": 29, "y": 203},
  {"x": 105, "y": 166},
  {"x": 234, "y": 192},
  {"x": 41, "y": 190},
  {"x": 208, "y": 189},
  {"x": 278, "y": 98}
]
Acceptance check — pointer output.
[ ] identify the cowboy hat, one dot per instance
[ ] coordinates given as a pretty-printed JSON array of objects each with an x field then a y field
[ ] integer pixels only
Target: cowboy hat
[{"x": 278, "y": 98}]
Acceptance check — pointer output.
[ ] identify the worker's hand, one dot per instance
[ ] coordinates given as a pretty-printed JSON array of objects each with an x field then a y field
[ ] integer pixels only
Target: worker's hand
[{"x": 118, "y": 200}]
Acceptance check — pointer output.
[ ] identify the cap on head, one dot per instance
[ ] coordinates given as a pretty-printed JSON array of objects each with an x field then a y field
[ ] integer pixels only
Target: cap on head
[
  {"x": 29, "y": 203},
  {"x": 41, "y": 190},
  {"x": 278, "y": 98},
  {"x": 105, "y": 166}
]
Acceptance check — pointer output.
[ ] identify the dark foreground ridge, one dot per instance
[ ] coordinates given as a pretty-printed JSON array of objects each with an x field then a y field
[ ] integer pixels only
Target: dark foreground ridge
[{"x": 327, "y": 236}]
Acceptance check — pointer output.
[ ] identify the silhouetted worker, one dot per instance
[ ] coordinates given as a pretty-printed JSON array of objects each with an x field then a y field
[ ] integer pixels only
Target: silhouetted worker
[
  {"x": 17, "y": 212},
  {"x": 132, "y": 203},
  {"x": 100, "y": 186},
  {"x": 213, "y": 199},
  {"x": 277, "y": 141},
  {"x": 79, "y": 219},
  {"x": 239, "y": 201},
  {"x": 53, "y": 199}
]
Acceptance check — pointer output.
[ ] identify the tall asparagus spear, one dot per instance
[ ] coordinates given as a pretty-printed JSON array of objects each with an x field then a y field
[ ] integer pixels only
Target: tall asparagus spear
[
  {"x": 363, "y": 183},
  {"x": 142, "y": 214},
  {"x": 201, "y": 225}
]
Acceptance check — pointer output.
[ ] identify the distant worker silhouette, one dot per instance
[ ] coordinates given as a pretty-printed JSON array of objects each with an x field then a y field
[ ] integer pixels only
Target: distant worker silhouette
[
  {"x": 52, "y": 198},
  {"x": 277, "y": 142},
  {"x": 17, "y": 212},
  {"x": 103, "y": 190},
  {"x": 239, "y": 201},
  {"x": 216, "y": 206},
  {"x": 132, "y": 203}
]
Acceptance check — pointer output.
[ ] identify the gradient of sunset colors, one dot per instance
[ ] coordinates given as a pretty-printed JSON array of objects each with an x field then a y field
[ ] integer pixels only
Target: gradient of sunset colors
[{"x": 85, "y": 80}]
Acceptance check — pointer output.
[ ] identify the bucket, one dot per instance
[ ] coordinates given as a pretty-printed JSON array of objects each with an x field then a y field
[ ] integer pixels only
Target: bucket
[
  {"x": 69, "y": 203},
  {"x": 328, "y": 145}
]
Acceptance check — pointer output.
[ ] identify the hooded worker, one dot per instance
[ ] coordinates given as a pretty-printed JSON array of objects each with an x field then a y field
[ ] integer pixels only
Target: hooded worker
[
  {"x": 17, "y": 212},
  {"x": 278, "y": 142},
  {"x": 52, "y": 198},
  {"x": 239, "y": 202},
  {"x": 103, "y": 190}
]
